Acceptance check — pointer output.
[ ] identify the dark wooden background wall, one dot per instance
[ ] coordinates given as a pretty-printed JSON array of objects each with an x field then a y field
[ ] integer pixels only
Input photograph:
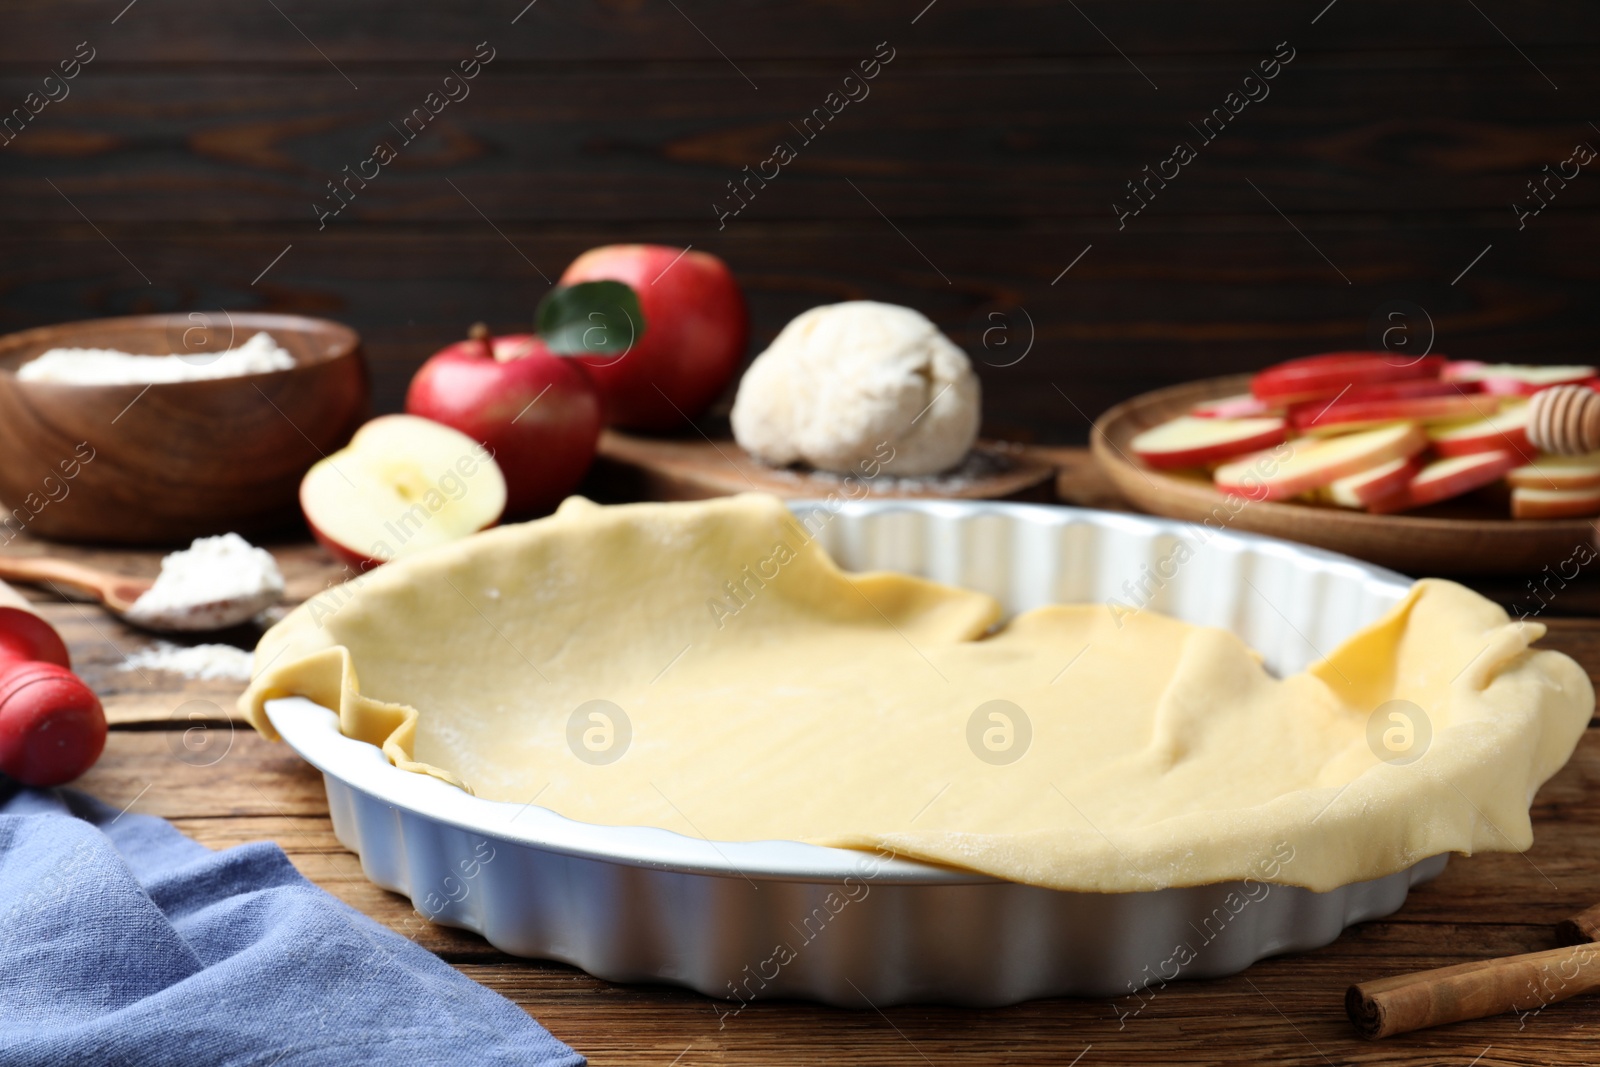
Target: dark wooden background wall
[{"x": 191, "y": 150}]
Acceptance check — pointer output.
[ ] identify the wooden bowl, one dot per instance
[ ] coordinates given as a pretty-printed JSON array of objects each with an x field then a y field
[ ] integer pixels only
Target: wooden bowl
[
  {"x": 1471, "y": 535},
  {"x": 159, "y": 464}
]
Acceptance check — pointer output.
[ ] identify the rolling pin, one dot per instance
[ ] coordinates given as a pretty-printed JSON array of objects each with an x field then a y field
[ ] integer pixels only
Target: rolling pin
[{"x": 52, "y": 727}]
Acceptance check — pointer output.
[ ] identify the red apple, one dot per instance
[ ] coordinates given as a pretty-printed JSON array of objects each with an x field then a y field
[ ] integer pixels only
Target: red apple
[
  {"x": 693, "y": 338},
  {"x": 1328, "y": 374},
  {"x": 1310, "y": 463},
  {"x": 1450, "y": 477},
  {"x": 1504, "y": 431},
  {"x": 1554, "y": 503},
  {"x": 537, "y": 413},
  {"x": 403, "y": 484},
  {"x": 1375, "y": 484},
  {"x": 1191, "y": 441}
]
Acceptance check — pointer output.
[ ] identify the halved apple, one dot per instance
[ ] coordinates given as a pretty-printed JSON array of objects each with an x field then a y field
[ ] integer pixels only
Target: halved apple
[
  {"x": 1554, "y": 503},
  {"x": 1190, "y": 441},
  {"x": 403, "y": 484},
  {"x": 1377, "y": 483},
  {"x": 1558, "y": 472},
  {"x": 1449, "y": 477},
  {"x": 1515, "y": 379},
  {"x": 1310, "y": 463},
  {"x": 1505, "y": 430}
]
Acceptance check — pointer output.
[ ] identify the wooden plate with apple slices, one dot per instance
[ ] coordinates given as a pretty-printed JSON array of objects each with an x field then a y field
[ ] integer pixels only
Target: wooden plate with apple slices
[
  {"x": 1473, "y": 534},
  {"x": 695, "y": 468}
]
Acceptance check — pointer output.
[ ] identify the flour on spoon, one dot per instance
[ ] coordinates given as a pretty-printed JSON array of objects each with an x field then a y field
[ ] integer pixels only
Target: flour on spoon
[{"x": 215, "y": 583}]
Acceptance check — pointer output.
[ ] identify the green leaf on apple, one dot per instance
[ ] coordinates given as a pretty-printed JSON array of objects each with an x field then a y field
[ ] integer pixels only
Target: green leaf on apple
[{"x": 590, "y": 319}]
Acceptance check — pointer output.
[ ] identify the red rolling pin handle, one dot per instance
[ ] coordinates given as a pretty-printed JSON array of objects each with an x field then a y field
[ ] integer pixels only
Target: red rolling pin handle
[{"x": 52, "y": 727}]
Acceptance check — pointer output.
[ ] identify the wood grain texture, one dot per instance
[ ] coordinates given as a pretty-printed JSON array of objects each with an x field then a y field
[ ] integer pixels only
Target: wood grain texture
[
  {"x": 198, "y": 140},
  {"x": 1374, "y": 132},
  {"x": 1177, "y": 299},
  {"x": 374, "y": 31}
]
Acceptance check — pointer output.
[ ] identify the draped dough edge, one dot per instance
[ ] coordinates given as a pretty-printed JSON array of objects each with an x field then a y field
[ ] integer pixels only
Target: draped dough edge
[
  {"x": 329, "y": 678},
  {"x": 1470, "y": 792}
]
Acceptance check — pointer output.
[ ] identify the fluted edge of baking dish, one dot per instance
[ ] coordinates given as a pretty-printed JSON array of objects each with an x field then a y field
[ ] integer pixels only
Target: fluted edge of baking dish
[{"x": 746, "y": 920}]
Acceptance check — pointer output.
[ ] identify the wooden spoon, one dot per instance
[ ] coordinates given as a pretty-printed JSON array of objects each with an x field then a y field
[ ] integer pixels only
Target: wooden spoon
[
  {"x": 115, "y": 591},
  {"x": 119, "y": 593}
]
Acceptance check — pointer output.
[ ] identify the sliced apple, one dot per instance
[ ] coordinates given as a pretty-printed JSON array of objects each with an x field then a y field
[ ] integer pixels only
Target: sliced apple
[
  {"x": 1341, "y": 416},
  {"x": 1328, "y": 374},
  {"x": 1310, "y": 414},
  {"x": 1449, "y": 477},
  {"x": 1554, "y": 503},
  {"x": 1558, "y": 472},
  {"x": 1401, "y": 390},
  {"x": 1242, "y": 406},
  {"x": 403, "y": 484},
  {"x": 1505, "y": 430},
  {"x": 1516, "y": 379},
  {"x": 1367, "y": 487},
  {"x": 1190, "y": 441},
  {"x": 1310, "y": 463}
]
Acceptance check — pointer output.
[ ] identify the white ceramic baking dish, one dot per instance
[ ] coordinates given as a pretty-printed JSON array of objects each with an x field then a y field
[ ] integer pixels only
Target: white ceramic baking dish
[{"x": 741, "y": 920}]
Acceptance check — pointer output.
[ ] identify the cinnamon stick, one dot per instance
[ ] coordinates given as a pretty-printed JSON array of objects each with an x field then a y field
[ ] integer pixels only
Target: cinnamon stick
[
  {"x": 1581, "y": 928},
  {"x": 1417, "y": 1001}
]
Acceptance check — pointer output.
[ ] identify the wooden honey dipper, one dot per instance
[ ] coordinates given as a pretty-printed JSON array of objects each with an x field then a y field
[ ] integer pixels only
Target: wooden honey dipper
[{"x": 1565, "y": 420}]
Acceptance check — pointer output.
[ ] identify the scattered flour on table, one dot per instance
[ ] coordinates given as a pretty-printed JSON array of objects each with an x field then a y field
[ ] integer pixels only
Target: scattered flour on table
[
  {"x": 222, "y": 663},
  {"x": 109, "y": 366}
]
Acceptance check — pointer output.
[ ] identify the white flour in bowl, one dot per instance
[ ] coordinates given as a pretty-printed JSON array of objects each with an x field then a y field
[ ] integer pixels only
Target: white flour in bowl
[
  {"x": 214, "y": 583},
  {"x": 107, "y": 366}
]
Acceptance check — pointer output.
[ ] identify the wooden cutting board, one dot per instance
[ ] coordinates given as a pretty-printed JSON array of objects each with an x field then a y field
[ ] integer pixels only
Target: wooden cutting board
[{"x": 653, "y": 468}]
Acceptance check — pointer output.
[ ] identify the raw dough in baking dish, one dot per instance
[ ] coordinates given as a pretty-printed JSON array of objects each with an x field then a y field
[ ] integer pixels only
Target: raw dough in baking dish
[{"x": 770, "y": 695}]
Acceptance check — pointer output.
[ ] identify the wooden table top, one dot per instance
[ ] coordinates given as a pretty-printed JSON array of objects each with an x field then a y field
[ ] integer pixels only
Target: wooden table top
[{"x": 223, "y": 785}]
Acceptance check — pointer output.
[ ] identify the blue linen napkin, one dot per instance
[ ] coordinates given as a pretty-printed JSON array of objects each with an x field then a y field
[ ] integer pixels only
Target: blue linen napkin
[{"x": 123, "y": 942}]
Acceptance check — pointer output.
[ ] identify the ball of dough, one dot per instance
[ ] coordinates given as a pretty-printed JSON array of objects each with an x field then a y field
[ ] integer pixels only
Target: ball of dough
[{"x": 843, "y": 384}]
